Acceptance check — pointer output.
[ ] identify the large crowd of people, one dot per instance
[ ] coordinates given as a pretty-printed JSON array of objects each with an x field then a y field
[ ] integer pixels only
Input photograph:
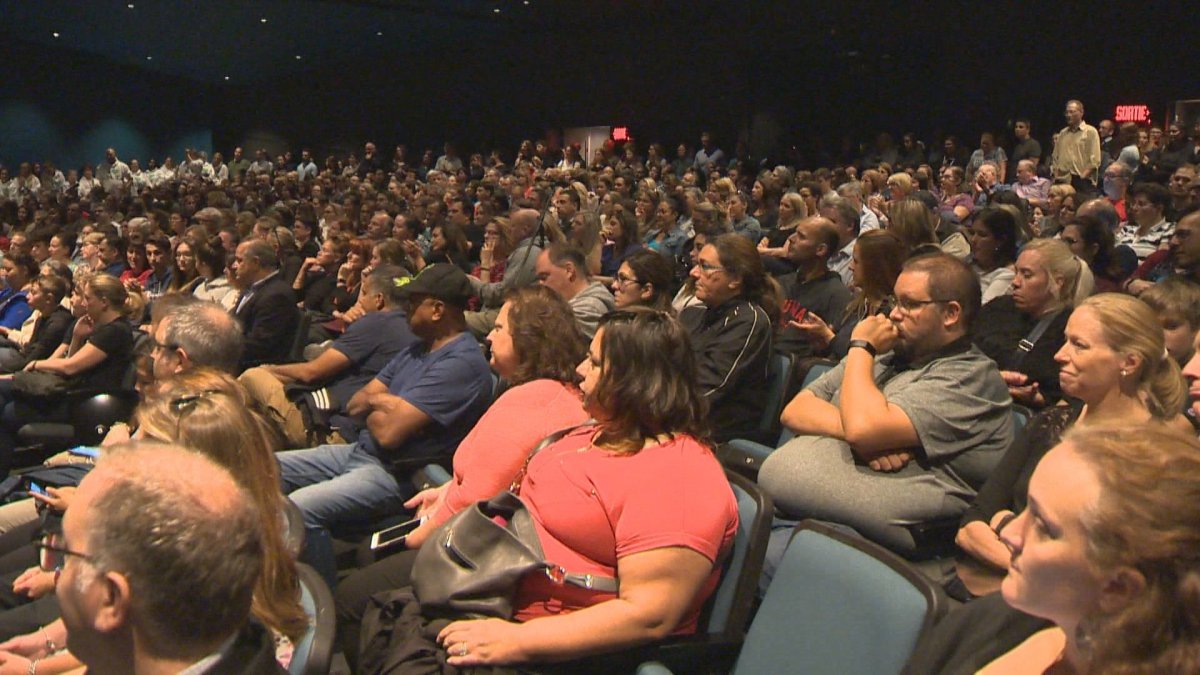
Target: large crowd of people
[{"x": 322, "y": 332}]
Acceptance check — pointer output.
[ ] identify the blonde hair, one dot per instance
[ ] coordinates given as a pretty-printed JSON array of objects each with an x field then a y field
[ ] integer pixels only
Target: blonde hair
[
  {"x": 1071, "y": 278},
  {"x": 1061, "y": 190},
  {"x": 1147, "y": 518},
  {"x": 208, "y": 411},
  {"x": 799, "y": 208},
  {"x": 1130, "y": 326},
  {"x": 912, "y": 221}
]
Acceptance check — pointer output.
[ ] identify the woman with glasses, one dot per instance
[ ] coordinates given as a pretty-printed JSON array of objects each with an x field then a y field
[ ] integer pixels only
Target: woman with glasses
[
  {"x": 644, "y": 279},
  {"x": 651, "y": 526},
  {"x": 185, "y": 276},
  {"x": 208, "y": 412},
  {"x": 732, "y": 332}
]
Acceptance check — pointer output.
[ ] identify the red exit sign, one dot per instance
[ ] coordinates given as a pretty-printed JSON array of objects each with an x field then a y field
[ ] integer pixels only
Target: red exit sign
[
  {"x": 1132, "y": 113},
  {"x": 620, "y": 133}
]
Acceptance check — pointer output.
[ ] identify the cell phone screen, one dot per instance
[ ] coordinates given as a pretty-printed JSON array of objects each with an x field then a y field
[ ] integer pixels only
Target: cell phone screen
[{"x": 394, "y": 535}]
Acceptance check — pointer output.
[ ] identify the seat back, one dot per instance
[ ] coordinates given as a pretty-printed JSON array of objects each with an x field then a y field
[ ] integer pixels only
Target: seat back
[
  {"x": 779, "y": 372},
  {"x": 314, "y": 650},
  {"x": 1021, "y": 416},
  {"x": 300, "y": 338},
  {"x": 729, "y": 609},
  {"x": 814, "y": 370},
  {"x": 839, "y": 604}
]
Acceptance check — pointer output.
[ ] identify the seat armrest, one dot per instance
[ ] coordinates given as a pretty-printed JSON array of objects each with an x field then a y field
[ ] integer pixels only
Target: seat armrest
[{"x": 744, "y": 456}]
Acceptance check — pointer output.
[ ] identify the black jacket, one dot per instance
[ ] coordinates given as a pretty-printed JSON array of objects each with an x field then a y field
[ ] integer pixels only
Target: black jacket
[
  {"x": 732, "y": 343},
  {"x": 269, "y": 319}
]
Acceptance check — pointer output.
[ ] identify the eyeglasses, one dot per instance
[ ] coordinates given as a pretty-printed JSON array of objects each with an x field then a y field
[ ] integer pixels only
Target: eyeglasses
[
  {"x": 52, "y": 553},
  {"x": 163, "y": 346},
  {"x": 623, "y": 281},
  {"x": 709, "y": 268},
  {"x": 909, "y": 306}
]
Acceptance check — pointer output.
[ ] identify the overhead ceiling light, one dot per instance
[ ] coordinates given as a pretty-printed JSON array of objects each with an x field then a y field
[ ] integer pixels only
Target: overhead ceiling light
[
  {"x": 379, "y": 33},
  {"x": 297, "y": 57},
  {"x": 263, "y": 20},
  {"x": 149, "y": 58},
  {"x": 130, "y": 5},
  {"x": 55, "y": 33},
  {"x": 226, "y": 78},
  {"x": 496, "y": 10}
]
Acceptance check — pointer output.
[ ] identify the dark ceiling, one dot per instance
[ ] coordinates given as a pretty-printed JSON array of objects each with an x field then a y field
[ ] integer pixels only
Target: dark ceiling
[{"x": 245, "y": 41}]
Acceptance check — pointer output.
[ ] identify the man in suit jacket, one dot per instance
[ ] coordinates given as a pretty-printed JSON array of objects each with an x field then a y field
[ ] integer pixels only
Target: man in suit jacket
[{"x": 267, "y": 306}]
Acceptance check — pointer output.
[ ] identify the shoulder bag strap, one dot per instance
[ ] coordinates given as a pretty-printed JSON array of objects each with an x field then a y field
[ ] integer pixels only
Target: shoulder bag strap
[
  {"x": 515, "y": 486},
  {"x": 1025, "y": 346}
]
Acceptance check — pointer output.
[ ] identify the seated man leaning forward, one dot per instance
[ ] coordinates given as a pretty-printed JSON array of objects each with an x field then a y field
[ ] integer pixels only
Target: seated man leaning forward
[
  {"x": 353, "y": 360},
  {"x": 419, "y": 406},
  {"x": 907, "y": 427}
]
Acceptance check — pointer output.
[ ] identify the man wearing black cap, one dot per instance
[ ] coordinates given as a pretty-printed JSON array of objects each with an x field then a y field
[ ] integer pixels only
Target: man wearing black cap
[{"x": 418, "y": 408}]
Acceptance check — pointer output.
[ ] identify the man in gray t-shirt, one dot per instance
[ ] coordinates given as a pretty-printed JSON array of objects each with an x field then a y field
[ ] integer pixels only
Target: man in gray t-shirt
[{"x": 904, "y": 438}]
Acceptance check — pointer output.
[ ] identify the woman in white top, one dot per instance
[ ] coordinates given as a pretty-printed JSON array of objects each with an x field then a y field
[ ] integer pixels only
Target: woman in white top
[{"x": 993, "y": 251}]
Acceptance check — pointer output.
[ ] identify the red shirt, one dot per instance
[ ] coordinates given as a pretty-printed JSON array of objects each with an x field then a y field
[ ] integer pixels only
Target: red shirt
[{"x": 592, "y": 507}]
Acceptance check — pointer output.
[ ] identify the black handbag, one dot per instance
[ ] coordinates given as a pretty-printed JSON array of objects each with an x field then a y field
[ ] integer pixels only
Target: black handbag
[
  {"x": 40, "y": 384},
  {"x": 471, "y": 566}
]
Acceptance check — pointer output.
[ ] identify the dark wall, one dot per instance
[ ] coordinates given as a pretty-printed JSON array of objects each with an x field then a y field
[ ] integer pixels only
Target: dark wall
[
  {"x": 68, "y": 107},
  {"x": 788, "y": 75}
]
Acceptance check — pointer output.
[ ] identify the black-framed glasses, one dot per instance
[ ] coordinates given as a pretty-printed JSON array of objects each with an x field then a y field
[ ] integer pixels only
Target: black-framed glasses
[
  {"x": 53, "y": 553},
  {"x": 908, "y": 305},
  {"x": 624, "y": 281},
  {"x": 709, "y": 268}
]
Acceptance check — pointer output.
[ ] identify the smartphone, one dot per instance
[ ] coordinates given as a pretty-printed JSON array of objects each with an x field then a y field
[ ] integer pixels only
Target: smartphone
[
  {"x": 85, "y": 451},
  {"x": 395, "y": 534},
  {"x": 34, "y": 488}
]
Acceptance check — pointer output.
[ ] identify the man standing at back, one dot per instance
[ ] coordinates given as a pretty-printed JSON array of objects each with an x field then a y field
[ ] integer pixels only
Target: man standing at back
[
  {"x": 1076, "y": 157},
  {"x": 147, "y": 518}
]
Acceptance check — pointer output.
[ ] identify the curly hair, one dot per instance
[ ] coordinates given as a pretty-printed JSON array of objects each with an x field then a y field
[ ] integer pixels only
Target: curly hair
[{"x": 545, "y": 334}]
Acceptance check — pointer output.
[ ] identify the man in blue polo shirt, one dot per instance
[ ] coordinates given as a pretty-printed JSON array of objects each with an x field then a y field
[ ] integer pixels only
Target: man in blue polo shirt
[
  {"x": 419, "y": 407},
  {"x": 355, "y": 358}
]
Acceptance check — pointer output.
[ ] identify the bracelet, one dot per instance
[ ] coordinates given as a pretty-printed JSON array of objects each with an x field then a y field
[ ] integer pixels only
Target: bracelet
[
  {"x": 863, "y": 344},
  {"x": 485, "y": 269},
  {"x": 50, "y": 646},
  {"x": 33, "y": 666}
]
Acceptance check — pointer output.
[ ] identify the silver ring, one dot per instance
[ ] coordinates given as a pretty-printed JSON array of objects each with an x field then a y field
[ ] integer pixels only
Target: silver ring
[{"x": 463, "y": 651}]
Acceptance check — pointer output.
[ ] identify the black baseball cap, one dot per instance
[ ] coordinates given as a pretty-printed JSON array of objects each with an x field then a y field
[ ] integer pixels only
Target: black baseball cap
[{"x": 443, "y": 281}]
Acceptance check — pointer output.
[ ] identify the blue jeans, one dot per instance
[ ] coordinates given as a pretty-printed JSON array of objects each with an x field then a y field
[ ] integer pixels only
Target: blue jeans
[{"x": 337, "y": 484}]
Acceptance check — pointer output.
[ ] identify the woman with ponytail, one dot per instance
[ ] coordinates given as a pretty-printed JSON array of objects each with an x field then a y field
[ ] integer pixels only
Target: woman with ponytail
[
  {"x": 1021, "y": 331},
  {"x": 1115, "y": 365}
]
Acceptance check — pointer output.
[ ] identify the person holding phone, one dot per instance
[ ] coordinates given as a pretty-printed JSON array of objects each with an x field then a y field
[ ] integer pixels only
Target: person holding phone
[{"x": 541, "y": 372}]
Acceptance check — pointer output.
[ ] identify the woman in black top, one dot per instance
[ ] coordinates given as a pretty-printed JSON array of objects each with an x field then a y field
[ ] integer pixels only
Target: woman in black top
[
  {"x": 100, "y": 362},
  {"x": 1114, "y": 362},
  {"x": 1021, "y": 332}
]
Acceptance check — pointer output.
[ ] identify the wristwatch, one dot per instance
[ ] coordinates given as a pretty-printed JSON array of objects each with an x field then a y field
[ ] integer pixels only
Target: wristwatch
[{"x": 864, "y": 345}]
